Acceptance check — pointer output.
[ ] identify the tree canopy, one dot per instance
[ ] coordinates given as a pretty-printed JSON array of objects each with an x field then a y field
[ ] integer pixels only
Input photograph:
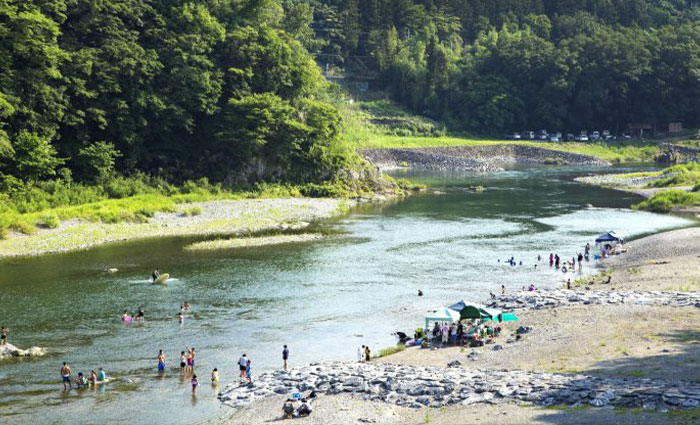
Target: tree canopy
[
  {"x": 178, "y": 88},
  {"x": 498, "y": 65}
]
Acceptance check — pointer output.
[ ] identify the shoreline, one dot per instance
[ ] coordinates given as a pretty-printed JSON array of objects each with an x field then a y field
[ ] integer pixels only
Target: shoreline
[
  {"x": 474, "y": 158},
  {"x": 221, "y": 218},
  {"x": 636, "y": 185},
  {"x": 639, "y": 331}
]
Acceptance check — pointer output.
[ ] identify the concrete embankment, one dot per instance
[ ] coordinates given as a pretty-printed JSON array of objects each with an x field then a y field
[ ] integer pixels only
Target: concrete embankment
[
  {"x": 474, "y": 158},
  {"x": 436, "y": 387}
]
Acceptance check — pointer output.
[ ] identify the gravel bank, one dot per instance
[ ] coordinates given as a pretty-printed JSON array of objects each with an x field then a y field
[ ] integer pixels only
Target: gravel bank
[
  {"x": 476, "y": 158},
  {"x": 421, "y": 386},
  {"x": 345, "y": 409},
  {"x": 226, "y": 217},
  {"x": 250, "y": 242}
]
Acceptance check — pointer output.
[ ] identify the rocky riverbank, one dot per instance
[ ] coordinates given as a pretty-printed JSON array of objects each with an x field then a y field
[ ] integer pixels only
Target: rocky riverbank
[
  {"x": 474, "y": 158},
  {"x": 437, "y": 387},
  {"x": 563, "y": 297}
]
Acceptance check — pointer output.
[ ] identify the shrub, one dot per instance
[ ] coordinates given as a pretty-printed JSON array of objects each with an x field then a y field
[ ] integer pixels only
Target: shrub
[
  {"x": 191, "y": 211},
  {"x": 49, "y": 221},
  {"x": 23, "y": 225}
]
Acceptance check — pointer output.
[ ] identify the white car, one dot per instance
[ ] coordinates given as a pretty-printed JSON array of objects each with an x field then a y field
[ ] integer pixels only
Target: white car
[
  {"x": 583, "y": 138},
  {"x": 554, "y": 139}
]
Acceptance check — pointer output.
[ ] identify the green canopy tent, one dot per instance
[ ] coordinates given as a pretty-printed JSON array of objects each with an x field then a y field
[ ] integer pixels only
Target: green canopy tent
[{"x": 468, "y": 310}]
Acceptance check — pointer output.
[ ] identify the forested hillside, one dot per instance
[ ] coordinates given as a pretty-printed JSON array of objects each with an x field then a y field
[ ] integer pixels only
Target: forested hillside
[
  {"x": 176, "y": 89},
  {"x": 490, "y": 66}
]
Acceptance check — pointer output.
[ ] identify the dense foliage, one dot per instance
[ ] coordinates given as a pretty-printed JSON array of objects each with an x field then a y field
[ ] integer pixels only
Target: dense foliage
[
  {"x": 499, "y": 65},
  {"x": 178, "y": 89}
]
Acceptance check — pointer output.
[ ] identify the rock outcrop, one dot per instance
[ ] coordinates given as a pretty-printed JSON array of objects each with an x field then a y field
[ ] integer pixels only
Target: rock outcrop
[{"x": 9, "y": 350}]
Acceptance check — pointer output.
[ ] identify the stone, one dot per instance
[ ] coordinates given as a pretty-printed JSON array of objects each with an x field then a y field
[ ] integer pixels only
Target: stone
[
  {"x": 454, "y": 363},
  {"x": 497, "y": 347}
]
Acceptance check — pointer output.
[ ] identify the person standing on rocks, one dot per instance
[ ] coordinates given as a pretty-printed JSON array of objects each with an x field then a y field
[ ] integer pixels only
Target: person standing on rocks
[
  {"x": 3, "y": 336},
  {"x": 243, "y": 365},
  {"x": 503, "y": 289},
  {"x": 65, "y": 374},
  {"x": 360, "y": 353},
  {"x": 368, "y": 353},
  {"x": 285, "y": 356}
]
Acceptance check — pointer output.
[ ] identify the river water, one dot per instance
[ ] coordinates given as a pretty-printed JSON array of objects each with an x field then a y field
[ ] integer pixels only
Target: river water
[{"x": 322, "y": 298}]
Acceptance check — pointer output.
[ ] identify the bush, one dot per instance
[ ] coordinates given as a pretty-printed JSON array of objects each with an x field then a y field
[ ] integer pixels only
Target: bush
[
  {"x": 191, "y": 211},
  {"x": 50, "y": 221},
  {"x": 23, "y": 225}
]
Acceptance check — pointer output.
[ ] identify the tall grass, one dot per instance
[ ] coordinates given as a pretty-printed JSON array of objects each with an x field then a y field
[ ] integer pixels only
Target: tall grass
[
  {"x": 667, "y": 200},
  {"x": 678, "y": 175}
]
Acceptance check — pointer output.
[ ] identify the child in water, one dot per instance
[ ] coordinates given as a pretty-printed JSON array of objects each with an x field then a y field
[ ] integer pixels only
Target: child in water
[
  {"x": 194, "y": 384},
  {"x": 180, "y": 318},
  {"x": 247, "y": 372},
  {"x": 215, "y": 376}
]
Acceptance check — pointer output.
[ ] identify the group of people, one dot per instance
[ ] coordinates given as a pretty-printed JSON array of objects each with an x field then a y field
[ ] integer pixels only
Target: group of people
[
  {"x": 475, "y": 332},
  {"x": 555, "y": 261},
  {"x": 81, "y": 381},
  {"x": 364, "y": 354},
  {"x": 127, "y": 317}
]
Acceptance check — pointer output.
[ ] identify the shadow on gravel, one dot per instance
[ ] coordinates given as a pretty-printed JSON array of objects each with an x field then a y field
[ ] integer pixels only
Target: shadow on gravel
[
  {"x": 674, "y": 362},
  {"x": 633, "y": 390}
]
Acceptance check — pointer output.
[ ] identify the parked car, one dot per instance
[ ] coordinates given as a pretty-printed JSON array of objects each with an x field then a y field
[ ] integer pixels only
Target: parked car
[
  {"x": 583, "y": 138},
  {"x": 543, "y": 135},
  {"x": 595, "y": 135},
  {"x": 570, "y": 136},
  {"x": 516, "y": 136},
  {"x": 554, "y": 138},
  {"x": 530, "y": 134},
  {"x": 606, "y": 133}
]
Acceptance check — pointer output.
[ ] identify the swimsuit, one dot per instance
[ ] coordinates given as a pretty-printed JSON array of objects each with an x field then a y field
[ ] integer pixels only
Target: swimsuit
[
  {"x": 161, "y": 366},
  {"x": 66, "y": 378}
]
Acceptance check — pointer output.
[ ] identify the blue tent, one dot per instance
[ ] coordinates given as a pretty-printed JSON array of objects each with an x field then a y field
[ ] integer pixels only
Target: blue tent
[{"x": 611, "y": 236}]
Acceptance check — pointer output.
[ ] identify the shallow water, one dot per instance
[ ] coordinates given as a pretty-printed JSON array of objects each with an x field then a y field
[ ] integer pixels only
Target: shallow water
[{"x": 322, "y": 298}]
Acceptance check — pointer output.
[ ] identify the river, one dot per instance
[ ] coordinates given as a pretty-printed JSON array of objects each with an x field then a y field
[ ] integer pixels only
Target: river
[{"x": 322, "y": 298}]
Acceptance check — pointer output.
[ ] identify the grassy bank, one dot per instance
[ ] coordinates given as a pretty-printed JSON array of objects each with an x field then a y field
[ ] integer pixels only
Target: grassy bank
[
  {"x": 220, "y": 217},
  {"x": 669, "y": 200},
  {"x": 28, "y": 208},
  {"x": 641, "y": 151}
]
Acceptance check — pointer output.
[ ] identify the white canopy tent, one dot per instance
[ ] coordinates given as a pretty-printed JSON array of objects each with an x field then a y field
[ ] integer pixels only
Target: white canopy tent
[{"x": 441, "y": 315}]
